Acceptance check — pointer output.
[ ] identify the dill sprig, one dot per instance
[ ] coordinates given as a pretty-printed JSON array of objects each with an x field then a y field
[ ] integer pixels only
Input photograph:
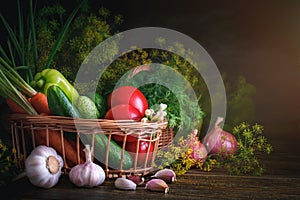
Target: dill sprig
[
  {"x": 7, "y": 163},
  {"x": 177, "y": 156},
  {"x": 251, "y": 145}
]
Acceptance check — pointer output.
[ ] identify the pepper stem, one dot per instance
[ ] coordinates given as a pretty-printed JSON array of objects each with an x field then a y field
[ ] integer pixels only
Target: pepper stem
[
  {"x": 52, "y": 164},
  {"x": 40, "y": 83}
]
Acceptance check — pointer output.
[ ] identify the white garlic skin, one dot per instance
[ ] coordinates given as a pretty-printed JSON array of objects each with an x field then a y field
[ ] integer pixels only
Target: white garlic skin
[
  {"x": 87, "y": 175},
  {"x": 36, "y": 170},
  {"x": 125, "y": 184}
]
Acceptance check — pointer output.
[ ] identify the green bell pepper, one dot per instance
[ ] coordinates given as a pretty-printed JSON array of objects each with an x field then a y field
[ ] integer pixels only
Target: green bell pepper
[{"x": 48, "y": 77}]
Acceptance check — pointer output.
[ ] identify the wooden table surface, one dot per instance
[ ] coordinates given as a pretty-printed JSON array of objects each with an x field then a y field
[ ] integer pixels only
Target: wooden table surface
[{"x": 280, "y": 181}]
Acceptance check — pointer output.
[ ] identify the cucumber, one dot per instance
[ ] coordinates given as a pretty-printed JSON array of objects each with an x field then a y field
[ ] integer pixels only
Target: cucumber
[
  {"x": 60, "y": 104},
  {"x": 115, "y": 153},
  {"x": 99, "y": 102},
  {"x": 87, "y": 108}
]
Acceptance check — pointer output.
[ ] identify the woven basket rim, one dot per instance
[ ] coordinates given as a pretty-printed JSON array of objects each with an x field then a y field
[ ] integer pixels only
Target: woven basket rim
[{"x": 105, "y": 123}]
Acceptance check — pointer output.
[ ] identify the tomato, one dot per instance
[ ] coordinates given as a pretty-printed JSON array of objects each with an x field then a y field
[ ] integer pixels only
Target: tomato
[
  {"x": 131, "y": 147},
  {"x": 128, "y": 95},
  {"x": 123, "y": 112},
  {"x": 120, "y": 138}
]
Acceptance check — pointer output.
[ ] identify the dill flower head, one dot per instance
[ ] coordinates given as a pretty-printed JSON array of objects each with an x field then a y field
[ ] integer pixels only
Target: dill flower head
[
  {"x": 6, "y": 157},
  {"x": 179, "y": 157}
]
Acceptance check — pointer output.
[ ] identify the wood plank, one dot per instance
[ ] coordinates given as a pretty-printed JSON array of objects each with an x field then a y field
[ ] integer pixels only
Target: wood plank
[
  {"x": 280, "y": 181},
  {"x": 193, "y": 185}
]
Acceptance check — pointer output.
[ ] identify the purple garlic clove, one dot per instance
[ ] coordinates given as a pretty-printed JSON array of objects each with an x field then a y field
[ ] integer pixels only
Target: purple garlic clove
[
  {"x": 157, "y": 185},
  {"x": 137, "y": 179},
  {"x": 167, "y": 175}
]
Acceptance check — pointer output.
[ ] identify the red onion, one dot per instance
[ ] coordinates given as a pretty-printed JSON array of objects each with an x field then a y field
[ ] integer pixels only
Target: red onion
[
  {"x": 220, "y": 142},
  {"x": 199, "y": 152},
  {"x": 198, "y": 149}
]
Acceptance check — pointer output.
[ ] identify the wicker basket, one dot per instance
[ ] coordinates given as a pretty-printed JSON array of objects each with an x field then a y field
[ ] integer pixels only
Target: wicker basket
[
  {"x": 166, "y": 137},
  {"x": 29, "y": 131}
]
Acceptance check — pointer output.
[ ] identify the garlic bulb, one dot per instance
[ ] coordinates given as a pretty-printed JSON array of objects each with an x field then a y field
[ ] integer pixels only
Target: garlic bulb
[
  {"x": 87, "y": 174},
  {"x": 43, "y": 166}
]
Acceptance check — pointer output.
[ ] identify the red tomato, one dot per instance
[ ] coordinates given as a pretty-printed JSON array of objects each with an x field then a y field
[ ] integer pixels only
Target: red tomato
[
  {"x": 123, "y": 112},
  {"x": 120, "y": 138},
  {"x": 131, "y": 147},
  {"x": 128, "y": 95}
]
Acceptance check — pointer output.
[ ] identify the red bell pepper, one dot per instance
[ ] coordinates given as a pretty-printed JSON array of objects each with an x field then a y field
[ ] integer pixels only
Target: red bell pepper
[{"x": 126, "y": 102}]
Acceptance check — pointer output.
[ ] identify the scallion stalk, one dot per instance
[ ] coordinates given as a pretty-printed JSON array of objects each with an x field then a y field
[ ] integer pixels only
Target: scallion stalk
[
  {"x": 16, "y": 79},
  {"x": 7, "y": 90}
]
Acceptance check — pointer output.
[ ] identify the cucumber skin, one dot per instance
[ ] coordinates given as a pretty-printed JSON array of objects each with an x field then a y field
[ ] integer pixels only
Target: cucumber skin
[
  {"x": 115, "y": 152},
  {"x": 99, "y": 102},
  {"x": 59, "y": 103},
  {"x": 87, "y": 108}
]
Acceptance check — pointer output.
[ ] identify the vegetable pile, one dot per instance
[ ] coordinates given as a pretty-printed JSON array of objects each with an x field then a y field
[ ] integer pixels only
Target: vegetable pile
[
  {"x": 57, "y": 96},
  {"x": 62, "y": 99},
  {"x": 49, "y": 91}
]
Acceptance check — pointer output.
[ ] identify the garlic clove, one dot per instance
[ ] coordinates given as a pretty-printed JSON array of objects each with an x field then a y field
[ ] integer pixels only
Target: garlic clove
[
  {"x": 157, "y": 185},
  {"x": 137, "y": 179},
  {"x": 125, "y": 184},
  {"x": 167, "y": 175}
]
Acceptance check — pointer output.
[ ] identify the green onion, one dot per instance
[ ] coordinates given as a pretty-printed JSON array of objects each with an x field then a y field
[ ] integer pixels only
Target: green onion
[
  {"x": 22, "y": 46},
  {"x": 61, "y": 35},
  {"x": 7, "y": 90},
  {"x": 16, "y": 79}
]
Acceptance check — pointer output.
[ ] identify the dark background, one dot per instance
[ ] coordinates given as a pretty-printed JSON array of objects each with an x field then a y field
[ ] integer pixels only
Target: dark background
[{"x": 256, "y": 39}]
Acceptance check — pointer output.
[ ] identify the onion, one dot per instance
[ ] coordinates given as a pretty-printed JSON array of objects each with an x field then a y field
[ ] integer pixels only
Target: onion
[
  {"x": 198, "y": 149},
  {"x": 220, "y": 142},
  {"x": 199, "y": 152}
]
